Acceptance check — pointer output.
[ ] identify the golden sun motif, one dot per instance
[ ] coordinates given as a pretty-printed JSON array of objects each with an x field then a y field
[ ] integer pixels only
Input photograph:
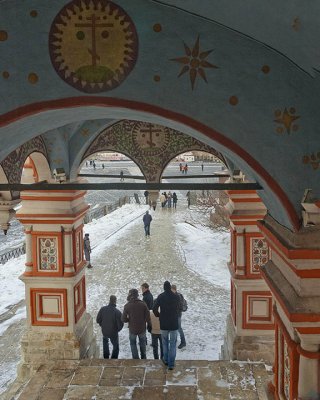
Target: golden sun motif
[{"x": 194, "y": 62}]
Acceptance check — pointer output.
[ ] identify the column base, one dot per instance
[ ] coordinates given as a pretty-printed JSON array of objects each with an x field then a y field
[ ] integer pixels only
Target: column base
[
  {"x": 248, "y": 347},
  {"x": 39, "y": 347}
]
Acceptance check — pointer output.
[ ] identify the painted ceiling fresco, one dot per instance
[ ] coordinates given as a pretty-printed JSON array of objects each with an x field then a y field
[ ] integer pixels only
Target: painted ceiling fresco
[
  {"x": 150, "y": 146},
  {"x": 208, "y": 69}
]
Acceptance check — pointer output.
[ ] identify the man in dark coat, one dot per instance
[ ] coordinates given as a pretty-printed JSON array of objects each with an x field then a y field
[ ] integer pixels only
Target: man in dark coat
[
  {"x": 169, "y": 303},
  {"x": 109, "y": 318},
  {"x": 146, "y": 295},
  {"x": 137, "y": 314},
  {"x": 87, "y": 249},
  {"x": 147, "y": 221}
]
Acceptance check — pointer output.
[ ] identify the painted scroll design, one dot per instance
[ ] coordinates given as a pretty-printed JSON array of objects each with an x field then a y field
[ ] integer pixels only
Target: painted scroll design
[{"x": 150, "y": 146}]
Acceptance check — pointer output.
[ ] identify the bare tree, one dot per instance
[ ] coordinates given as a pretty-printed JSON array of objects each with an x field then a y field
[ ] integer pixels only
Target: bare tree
[{"x": 213, "y": 204}]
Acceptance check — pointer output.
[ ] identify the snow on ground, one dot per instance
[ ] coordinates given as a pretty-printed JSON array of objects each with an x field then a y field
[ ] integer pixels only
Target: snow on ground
[
  {"x": 203, "y": 254},
  {"x": 207, "y": 260}
]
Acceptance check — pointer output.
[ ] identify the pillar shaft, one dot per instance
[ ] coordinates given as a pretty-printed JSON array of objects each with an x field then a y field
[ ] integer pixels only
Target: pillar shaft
[
  {"x": 293, "y": 277},
  {"x": 58, "y": 326},
  {"x": 250, "y": 326}
]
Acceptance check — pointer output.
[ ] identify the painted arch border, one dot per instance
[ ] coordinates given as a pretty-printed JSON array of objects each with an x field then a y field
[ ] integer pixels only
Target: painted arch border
[{"x": 110, "y": 102}]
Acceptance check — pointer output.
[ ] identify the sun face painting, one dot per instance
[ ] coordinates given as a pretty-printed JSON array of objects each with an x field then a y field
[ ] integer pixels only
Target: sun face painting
[{"x": 93, "y": 45}]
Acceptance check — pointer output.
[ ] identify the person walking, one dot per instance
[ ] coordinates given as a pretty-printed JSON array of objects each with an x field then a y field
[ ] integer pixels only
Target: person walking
[
  {"x": 147, "y": 295},
  {"x": 188, "y": 198},
  {"x": 121, "y": 176},
  {"x": 169, "y": 198},
  {"x": 156, "y": 336},
  {"x": 162, "y": 199},
  {"x": 174, "y": 199},
  {"x": 109, "y": 318},
  {"x": 147, "y": 221},
  {"x": 186, "y": 169},
  {"x": 87, "y": 249},
  {"x": 146, "y": 195},
  {"x": 202, "y": 166},
  {"x": 137, "y": 314},
  {"x": 182, "y": 307},
  {"x": 169, "y": 303}
]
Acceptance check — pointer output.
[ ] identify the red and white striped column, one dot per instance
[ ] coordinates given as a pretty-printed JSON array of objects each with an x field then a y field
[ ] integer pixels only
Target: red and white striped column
[
  {"x": 250, "y": 325},
  {"x": 58, "y": 326},
  {"x": 293, "y": 277}
]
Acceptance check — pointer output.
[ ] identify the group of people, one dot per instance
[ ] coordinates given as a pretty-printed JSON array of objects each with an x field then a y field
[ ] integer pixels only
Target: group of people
[
  {"x": 162, "y": 318},
  {"x": 183, "y": 168},
  {"x": 168, "y": 199}
]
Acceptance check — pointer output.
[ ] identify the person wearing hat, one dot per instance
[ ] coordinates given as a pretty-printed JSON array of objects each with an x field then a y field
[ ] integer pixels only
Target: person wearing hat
[
  {"x": 87, "y": 249},
  {"x": 169, "y": 304},
  {"x": 109, "y": 318},
  {"x": 137, "y": 314}
]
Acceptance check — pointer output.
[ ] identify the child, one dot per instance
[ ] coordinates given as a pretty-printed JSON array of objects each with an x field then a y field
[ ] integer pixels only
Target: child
[{"x": 156, "y": 336}]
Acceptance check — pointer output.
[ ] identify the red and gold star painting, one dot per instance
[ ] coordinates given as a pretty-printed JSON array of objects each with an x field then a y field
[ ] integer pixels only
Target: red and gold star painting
[{"x": 194, "y": 62}]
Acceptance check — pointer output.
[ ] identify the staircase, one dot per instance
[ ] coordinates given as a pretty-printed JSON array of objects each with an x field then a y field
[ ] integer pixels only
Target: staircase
[{"x": 98, "y": 379}]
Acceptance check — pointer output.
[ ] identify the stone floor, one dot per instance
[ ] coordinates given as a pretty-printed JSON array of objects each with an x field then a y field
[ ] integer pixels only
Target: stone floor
[{"x": 99, "y": 379}]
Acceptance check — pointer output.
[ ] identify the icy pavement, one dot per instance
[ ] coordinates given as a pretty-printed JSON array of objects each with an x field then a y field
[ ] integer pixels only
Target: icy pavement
[
  {"x": 191, "y": 256},
  {"x": 195, "y": 261}
]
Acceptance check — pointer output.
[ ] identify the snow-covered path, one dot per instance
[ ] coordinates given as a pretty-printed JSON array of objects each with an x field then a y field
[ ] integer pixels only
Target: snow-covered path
[
  {"x": 196, "y": 261},
  {"x": 191, "y": 256}
]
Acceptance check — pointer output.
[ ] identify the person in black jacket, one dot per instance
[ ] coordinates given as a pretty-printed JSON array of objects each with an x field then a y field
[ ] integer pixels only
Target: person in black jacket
[
  {"x": 146, "y": 295},
  {"x": 109, "y": 318},
  {"x": 169, "y": 303}
]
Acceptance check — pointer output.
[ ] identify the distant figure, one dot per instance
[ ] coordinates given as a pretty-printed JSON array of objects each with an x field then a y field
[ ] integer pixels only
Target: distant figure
[
  {"x": 156, "y": 336},
  {"x": 147, "y": 295},
  {"x": 202, "y": 166},
  {"x": 146, "y": 195},
  {"x": 168, "y": 302},
  {"x": 180, "y": 166},
  {"x": 87, "y": 249},
  {"x": 109, "y": 318},
  {"x": 182, "y": 308},
  {"x": 188, "y": 198},
  {"x": 186, "y": 169},
  {"x": 86, "y": 163},
  {"x": 174, "y": 199},
  {"x": 121, "y": 176},
  {"x": 169, "y": 199},
  {"x": 136, "y": 313},
  {"x": 162, "y": 199},
  {"x": 147, "y": 221},
  {"x": 102, "y": 166},
  {"x": 94, "y": 165}
]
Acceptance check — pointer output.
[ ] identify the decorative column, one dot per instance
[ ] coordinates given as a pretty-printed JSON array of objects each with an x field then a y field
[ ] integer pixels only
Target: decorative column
[
  {"x": 58, "y": 326},
  {"x": 250, "y": 325},
  {"x": 293, "y": 276},
  {"x": 6, "y": 212}
]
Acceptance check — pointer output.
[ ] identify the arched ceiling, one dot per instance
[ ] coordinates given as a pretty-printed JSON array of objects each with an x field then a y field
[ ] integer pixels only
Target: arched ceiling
[{"x": 240, "y": 78}]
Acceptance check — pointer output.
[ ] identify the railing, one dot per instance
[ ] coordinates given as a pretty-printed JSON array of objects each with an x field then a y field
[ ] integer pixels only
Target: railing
[
  {"x": 12, "y": 253},
  {"x": 94, "y": 213}
]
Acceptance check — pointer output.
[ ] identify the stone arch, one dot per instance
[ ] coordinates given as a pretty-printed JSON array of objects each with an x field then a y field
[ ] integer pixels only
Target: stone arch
[
  {"x": 40, "y": 169},
  {"x": 115, "y": 150},
  {"x": 283, "y": 204},
  {"x": 13, "y": 164},
  {"x": 150, "y": 146}
]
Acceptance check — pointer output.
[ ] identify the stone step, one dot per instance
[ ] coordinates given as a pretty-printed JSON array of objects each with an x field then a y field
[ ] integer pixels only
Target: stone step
[{"x": 100, "y": 379}]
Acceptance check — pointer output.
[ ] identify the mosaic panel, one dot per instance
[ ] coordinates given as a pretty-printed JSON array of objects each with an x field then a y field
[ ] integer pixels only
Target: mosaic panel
[
  {"x": 260, "y": 254},
  {"x": 150, "y": 146},
  {"x": 81, "y": 39},
  {"x": 286, "y": 371},
  {"x": 48, "y": 254},
  {"x": 78, "y": 250}
]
